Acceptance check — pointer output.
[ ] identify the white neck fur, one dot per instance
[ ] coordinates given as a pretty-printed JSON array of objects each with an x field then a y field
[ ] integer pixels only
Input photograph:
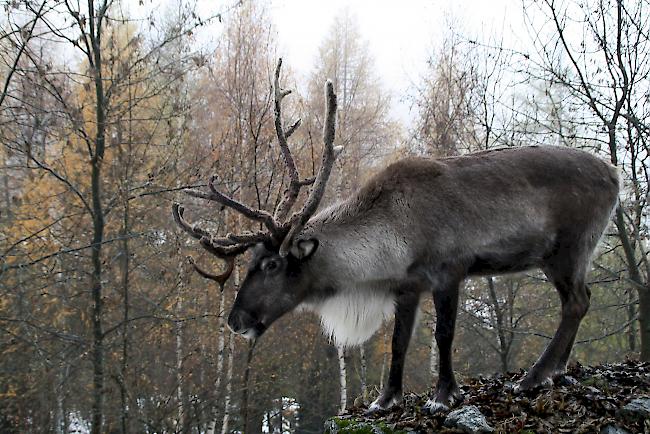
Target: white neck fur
[{"x": 352, "y": 316}]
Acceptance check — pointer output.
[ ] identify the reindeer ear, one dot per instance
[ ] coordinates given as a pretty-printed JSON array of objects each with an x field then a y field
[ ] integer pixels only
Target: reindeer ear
[{"x": 303, "y": 249}]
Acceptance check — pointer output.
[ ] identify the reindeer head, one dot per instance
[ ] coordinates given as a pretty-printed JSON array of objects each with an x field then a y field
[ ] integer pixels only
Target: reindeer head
[{"x": 275, "y": 283}]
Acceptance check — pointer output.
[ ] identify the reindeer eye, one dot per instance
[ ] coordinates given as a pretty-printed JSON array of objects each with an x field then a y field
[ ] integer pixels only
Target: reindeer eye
[{"x": 269, "y": 264}]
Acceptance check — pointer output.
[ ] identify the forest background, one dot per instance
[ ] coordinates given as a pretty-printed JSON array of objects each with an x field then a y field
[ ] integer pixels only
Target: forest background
[{"x": 107, "y": 113}]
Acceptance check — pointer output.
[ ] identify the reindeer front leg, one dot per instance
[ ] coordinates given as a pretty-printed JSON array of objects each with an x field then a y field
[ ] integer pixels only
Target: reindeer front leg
[
  {"x": 447, "y": 391},
  {"x": 405, "y": 310}
]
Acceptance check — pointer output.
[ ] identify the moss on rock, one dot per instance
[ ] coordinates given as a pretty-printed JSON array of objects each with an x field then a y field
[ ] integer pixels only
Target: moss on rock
[{"x": 344, "y": 425}]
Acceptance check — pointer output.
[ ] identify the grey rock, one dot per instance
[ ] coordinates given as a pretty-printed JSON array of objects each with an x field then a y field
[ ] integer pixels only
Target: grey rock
[
  {"x": 469, "y": 419},
  {"x": 331, "y": 427},
  {"x": 613, "y": 429},
  {"x": 637, "y": 410}
]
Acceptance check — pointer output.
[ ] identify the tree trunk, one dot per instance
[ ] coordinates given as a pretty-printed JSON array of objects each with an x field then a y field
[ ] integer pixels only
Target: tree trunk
[
  {"x": 342, "y": 379},
  {"x": 231, "y": 355},
  {"x": 98, "y": 233},
  {"x": 125, "y": 317},
  {"x": 256, "y": 419},
  {"x": 226, "y": 406},
  {"x": 204, "y": 411},
  {"x": 58, "y": 415},
  {"x": 221, "y": 322},
  {"x": 384, "y": 360},
  {"x": 433, "y": 356},
  {"x": 179, "y": 370},
  {"x": 644, "y": 321},
  {"x": 97, "y": 308},
  {"x": 280, "y": 415},
  {"x": 245, "y": 389},
  {"x": 498, "y": 313},
  {"x": 635, "y": 277},
  {"x": 631, "y": 314},
  {"x": 183, "y": 413},
  {"x": 6, "y": 212},
  {"x": 126, "y": 259},
  {"x": 363, "y": 379}
]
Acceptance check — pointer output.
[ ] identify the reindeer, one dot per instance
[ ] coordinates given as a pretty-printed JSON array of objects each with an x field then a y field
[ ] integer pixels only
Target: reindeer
[{"x": 418, "y": 225}]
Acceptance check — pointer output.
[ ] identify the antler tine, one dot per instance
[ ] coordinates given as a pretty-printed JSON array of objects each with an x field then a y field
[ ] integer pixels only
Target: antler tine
[
  {"x": 248, "y": 237},
  {"x": 291, "y": 194},
  {"x": 219, "y": 278},
  {"x": 279, "y": 95},
  {"x": 244, "y": 238},
  {"x": 224, "y": 247},
  {"x": 298, "y": 220},
  {"x": 254, "y": 214},
  {"x": 224, "y": 251},
  {"x": 292, "y": 128},
  {"x": 177, "y": 211}
]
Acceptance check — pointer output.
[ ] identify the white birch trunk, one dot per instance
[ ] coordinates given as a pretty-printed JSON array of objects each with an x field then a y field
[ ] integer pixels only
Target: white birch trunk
[
  {"x": 178, "y": 332},
  {"x": 280, "y": 417},
  {"x": 179, "y": 366},
  {"x": 58, "y": 416},
  {"x": 363, "y": 375},
  {"x": 342, "y": 378},
  {"x": 226, "y": 407},
  {"x": 231, "y": 353},
  {"x": 221, "y": 326},
  {"x": 384, "y": 360},
  {"x": 433, "y": 358}
]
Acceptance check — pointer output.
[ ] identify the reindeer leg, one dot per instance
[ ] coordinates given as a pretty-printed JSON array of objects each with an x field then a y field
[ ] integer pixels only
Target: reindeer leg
[
  {"x": 560, "y": 368},
  {"x": 567, "y": 274},
  {"x": 405, "y": 310},
  {"x": 447, "y": 391}
]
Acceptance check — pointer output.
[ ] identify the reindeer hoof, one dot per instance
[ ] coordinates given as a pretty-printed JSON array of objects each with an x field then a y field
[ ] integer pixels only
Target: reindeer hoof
[
  {"x": 447, "y": 395},
  {"x": 445, "y": 398},
  {"x": 373, "y": 408},
  {"x": 530, "y": 383},
  {"x": 383, "y": 403},
  {"x": 434, "y": 407}
]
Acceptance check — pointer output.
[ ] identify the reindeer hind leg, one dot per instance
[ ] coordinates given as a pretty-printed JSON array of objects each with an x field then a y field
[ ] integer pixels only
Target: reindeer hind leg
[{"x": 566, "y": 268}]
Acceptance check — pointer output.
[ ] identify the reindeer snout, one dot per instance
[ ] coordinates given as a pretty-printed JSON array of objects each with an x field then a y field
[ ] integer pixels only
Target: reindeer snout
[{"x": 240, "y": 321}]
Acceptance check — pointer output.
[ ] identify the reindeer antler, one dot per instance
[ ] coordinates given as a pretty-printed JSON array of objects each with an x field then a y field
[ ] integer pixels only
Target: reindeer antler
[
  {"x": 280, "y": 231},
  {"x": 291, "y": 194},
  {"x": 299, "y": 219},
  {"x": 219, "y": 278}
]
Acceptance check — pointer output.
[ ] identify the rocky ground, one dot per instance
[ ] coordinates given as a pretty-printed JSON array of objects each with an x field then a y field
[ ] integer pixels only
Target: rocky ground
[{"x": 606, "y": 399}]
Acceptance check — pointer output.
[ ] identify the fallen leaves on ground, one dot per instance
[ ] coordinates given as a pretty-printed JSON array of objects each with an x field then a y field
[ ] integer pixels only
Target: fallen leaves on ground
[{"x": 582, "y": 401}]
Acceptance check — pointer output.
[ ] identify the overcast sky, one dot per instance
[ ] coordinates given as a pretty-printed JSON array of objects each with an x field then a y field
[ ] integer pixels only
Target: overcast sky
[{"x": 401, "y": 35}]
